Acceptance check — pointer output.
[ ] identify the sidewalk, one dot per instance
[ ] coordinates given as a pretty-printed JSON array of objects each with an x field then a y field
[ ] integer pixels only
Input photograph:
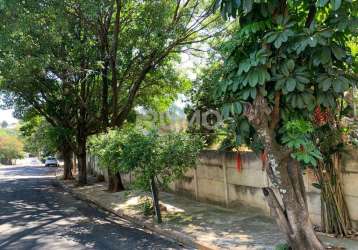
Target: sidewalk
[{"x": 193, "y": 223}]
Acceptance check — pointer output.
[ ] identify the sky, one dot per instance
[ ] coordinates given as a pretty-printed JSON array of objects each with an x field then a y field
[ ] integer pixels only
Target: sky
[{"x": 6, "y": 115}]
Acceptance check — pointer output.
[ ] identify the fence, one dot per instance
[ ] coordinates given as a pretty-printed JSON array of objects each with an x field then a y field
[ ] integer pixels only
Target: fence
[{"x": 217, "y": 179}]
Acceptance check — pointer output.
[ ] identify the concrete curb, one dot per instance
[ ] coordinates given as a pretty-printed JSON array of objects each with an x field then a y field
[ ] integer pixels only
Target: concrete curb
[{"x": 172, "y": 234}]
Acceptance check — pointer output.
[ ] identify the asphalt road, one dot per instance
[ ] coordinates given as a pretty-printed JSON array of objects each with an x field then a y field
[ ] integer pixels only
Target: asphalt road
[{"x": 35, "y": 213}]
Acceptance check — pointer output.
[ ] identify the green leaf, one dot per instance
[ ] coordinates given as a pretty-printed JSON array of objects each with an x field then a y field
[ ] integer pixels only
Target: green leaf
[
  {"x": 237, "y": 107},
  {"x": 246, "y": 94},
  {"x": 345, "y": 83},
  {"x": 238, "y": 3},
  {"x": 226, "y": 111},
  {"x": 338, "y": 52},
  {"x": 253, "y": 78},
  {"x": 300, "y": 46},
  {"x": 316, "y": 185},
  {"x": 244, "y": 126},
  {"x": 294, "y": 101},
  {"x": 271, "y": 36},
  {"x": 321, "y": 3},
  {"x": 290, "y": 64},
  {"x": 278, "y": 42},
  {"x": 337, "y": 86},
  {"x": 326, "y": 84},
  {"x": 300, "y": 86},
  {"x": 267, "y": 75},
  {"x": 312, "y": 41},
  {"x": 300, "y": 102},
  {"x": 302, "y": 79},
  {"x": 261, "y": 76},
  {"x": 325, "y": 55},
  {"x": 247, "y": 6},
  {"x": 284, "y": 70},
  {"x": 279, "y": 84},
  {"x": 235, "y": 86},
  {"x": 308, "y": 99},
  {"x": 313, "y": 161},
  {"x": 244, "y": 66},
  {"x": 290, "y": 84},
  {"x": 326, "y": 33},
  {"x": 246, "y": 80},
  {"x": 336, "y": 4},
  {"x": 253, "y": 93}
]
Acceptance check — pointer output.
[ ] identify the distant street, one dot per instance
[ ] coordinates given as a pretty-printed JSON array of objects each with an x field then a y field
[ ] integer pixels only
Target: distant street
[{"x": 37, "y": 214}]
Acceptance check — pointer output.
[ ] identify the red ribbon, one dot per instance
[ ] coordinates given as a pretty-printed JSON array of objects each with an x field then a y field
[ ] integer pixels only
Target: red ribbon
[{"x": 238, "y": 162}]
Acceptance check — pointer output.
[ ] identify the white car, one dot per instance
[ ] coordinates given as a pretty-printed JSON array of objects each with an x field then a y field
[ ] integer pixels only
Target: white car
[{"x": 51, "y": 162}]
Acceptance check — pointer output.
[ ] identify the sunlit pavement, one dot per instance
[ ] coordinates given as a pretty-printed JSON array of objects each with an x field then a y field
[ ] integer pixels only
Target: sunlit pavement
[{"x": 37, "y": 214}]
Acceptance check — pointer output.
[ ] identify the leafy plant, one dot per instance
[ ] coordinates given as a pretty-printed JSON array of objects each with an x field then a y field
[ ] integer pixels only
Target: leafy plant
[
  {"x": 297, "y": 135},
  {"x": 11, "y": 148},
  {"x": 147, "y": 207},
  {"x": 282, "y": 247},
  {"x": 158, "y": 159},
  {"x": 280, "y": 72}
]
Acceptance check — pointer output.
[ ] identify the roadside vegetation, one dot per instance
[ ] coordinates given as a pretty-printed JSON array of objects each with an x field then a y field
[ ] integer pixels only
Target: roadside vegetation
[
  {"x": 83, "y": 76},
  {"x": 155, "y": 160},
  {"x": 11, "y": 146}
]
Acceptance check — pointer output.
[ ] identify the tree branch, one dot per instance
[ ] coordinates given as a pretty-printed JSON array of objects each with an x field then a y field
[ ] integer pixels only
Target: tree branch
[
  {"x": 114, "y": 56},
  {"x": 311, "y": 14},
  {"x": 275, "y": 115}
]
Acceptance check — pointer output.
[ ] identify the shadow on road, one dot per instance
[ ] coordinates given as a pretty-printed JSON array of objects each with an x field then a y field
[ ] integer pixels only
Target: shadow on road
[{"x": 35, "y": 214}]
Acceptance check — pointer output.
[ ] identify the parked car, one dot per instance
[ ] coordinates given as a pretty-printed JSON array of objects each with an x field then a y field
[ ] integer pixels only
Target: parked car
[{"x": 51, "y": 162}]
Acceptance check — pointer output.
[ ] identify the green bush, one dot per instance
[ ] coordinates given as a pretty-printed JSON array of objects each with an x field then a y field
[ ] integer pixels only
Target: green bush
[
  {"x": 108, "y": 148},
  {"x": 284, "y": 246},
  {"x": 164, "y": 157},
  {"x": 154, "y": 159}
]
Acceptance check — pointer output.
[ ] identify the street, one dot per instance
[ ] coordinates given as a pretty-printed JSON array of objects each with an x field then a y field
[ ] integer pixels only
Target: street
[{"x": 35, "y": 213}]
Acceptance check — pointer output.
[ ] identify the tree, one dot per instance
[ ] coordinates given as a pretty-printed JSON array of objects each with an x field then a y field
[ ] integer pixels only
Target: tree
[
  {"x": 108, "y": 148},
  {"x": 4, "y": 124},
  {"x": 85, "y": 64},
  {"x": 287, "y": 58},
  {"x": 202, "y": 100},
  {"x": 158, "y": 159},
  {"x": 10, "y": 148},
  {"x": 155, "y": 160},
  {"x": 41, "y": 138}
]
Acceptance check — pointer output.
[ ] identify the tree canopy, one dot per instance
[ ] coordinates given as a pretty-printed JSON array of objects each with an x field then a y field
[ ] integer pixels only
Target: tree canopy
[
  {"x": 84, "y": 65},
  {"x": 11, "y": 148},
  {"x": 287, "y": 64}
]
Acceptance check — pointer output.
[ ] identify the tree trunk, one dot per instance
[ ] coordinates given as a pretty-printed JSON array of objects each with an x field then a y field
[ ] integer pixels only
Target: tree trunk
[
  {"x": 67, "y": 158},
  {"x": 115, "y": 183},
  {"x": 289, "y": 203},
  {"x": 82, "y": 165},
  {"x": 292, "y": 215},
  {"x": 155, "y": 198}
]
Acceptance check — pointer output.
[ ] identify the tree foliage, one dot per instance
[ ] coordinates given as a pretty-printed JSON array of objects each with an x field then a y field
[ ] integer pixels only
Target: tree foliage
[
  {"x": 286, "y": 60},
  {"x": 307, "y": 61},
  {"x": 152, "y": 158},
  {"x": 11, "y": 148},
  {"x": 146, "y": 154},
  {"x": 166, "y": 157},
  {"x": 41, "y": 138},
  {"x": 84, "y": 65}
]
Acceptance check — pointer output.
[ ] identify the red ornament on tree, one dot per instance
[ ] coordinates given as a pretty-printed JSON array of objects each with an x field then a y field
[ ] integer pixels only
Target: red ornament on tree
[
  {"x": 238, "y": 162},
  {"x": 320, "y": 117}
]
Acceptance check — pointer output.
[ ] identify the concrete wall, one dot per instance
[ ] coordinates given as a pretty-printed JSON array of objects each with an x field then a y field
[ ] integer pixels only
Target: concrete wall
[{"x": 217, "y": 180}]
